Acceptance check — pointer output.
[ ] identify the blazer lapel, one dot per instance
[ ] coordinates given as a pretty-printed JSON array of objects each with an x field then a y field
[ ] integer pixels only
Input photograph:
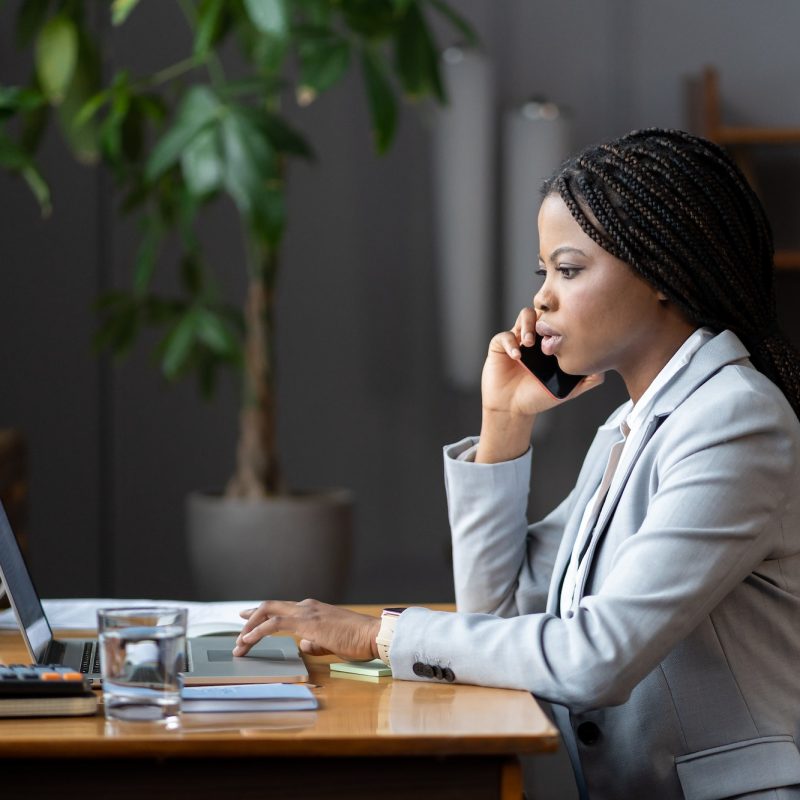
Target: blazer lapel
[
  {"x": 588, "y": 481},
  {"x": 612, "y": 499}
]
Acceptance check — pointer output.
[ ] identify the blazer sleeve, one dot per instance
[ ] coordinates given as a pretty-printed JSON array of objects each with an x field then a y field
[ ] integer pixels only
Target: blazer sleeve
[
  {"x": 722, "y": 483},
  {"x": 501, "y": 565}
]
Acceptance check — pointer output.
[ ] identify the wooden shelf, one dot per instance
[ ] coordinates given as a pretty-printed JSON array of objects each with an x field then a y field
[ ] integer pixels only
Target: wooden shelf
[
  {"x": 787, "y": 259},
  {"x": 705, "y": 110},
  {"x": 745, "y": 135}
]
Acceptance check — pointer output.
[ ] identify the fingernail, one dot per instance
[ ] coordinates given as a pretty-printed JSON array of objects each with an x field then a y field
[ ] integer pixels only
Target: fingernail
[
  {"x": 515, "y": 353},
  {"x": 529, "y": 337},
  {"x": 237, "y": 650}
]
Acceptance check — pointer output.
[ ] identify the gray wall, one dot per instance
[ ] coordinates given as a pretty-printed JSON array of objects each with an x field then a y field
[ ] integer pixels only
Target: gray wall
[{"x": 114, "y": 451}]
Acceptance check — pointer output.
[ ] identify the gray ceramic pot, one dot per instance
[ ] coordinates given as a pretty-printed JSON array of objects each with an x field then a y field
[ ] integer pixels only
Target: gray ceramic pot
[{"x": 283, "y": 548}]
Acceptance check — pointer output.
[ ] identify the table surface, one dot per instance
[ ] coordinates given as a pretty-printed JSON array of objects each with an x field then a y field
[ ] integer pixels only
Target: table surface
[{"x": 356, "y": 717}]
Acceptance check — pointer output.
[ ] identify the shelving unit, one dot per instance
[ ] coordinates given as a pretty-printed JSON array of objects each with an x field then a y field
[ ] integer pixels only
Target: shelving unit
[{"x": 706, "y": 114}]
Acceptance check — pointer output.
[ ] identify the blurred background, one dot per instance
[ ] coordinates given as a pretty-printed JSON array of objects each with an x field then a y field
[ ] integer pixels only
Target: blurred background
[{"x": 365, "y": 400}]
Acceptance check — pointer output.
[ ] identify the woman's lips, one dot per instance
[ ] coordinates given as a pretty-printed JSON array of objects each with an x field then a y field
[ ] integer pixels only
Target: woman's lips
[{"x": 551, "y": 338}]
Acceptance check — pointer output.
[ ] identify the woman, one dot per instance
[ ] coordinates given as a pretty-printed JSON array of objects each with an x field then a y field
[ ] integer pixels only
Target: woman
[{"x": 657, "y": 608}]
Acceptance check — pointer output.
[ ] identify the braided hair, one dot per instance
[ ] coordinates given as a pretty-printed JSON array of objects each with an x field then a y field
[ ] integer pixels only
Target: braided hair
[{"x": 678, "y": 210}]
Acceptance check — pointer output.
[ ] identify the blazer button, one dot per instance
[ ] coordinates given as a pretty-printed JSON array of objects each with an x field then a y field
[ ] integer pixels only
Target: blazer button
[
  {"x": 418, "y": 668},
  {"x": 448, "y": 674},
  {"x": 437, "y": 673},
  {"x": 427, "y": 670},
  {"x": 588, "y": 733}
]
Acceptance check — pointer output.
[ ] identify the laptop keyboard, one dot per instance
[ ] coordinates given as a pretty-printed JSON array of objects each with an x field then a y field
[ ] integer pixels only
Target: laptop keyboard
[{"x": 89, "y": 665}]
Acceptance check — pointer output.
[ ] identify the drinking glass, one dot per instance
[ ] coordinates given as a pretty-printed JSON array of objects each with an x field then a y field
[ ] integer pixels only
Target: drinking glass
[{"x": 142, "y": 653}]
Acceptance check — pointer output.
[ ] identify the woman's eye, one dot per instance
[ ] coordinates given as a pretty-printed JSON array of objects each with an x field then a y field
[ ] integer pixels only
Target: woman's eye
[
  {"x": 568, "y": 273},
  {"x": 541, "y": 272}
]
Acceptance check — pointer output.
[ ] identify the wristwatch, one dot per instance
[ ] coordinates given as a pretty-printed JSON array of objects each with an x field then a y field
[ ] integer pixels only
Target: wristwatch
[{"x": 386, "y": 632}]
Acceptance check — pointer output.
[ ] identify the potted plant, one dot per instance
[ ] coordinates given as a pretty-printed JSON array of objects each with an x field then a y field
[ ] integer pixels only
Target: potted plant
[{"x": 189, "y": 135}]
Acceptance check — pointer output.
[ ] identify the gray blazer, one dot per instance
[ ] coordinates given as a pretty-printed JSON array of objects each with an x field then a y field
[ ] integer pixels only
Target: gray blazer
[{"x": 679, "y": 673}]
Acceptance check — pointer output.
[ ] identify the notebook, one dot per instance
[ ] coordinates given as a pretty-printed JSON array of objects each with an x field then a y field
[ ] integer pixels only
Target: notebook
[{"x": 275, "y": 659}]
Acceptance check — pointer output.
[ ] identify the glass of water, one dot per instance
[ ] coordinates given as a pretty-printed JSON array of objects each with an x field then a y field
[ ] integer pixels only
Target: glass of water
[{"x": 142, "y": 653}]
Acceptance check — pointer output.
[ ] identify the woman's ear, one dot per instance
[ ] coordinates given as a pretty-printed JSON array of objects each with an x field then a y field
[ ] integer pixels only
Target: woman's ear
[{"x": 662, "y": 297}]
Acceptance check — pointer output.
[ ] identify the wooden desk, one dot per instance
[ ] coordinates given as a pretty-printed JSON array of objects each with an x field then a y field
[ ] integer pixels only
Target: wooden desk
[{"x": 368, "y": 739}]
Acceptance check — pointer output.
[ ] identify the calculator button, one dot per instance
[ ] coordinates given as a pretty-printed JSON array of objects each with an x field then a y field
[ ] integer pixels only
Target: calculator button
[
  {"x": 50, "y": 676},
  {"x": 72, "y": 676}
]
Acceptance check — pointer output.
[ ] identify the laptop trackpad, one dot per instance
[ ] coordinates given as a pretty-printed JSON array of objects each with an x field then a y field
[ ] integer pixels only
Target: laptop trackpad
[{"x": 216, "y": 656}]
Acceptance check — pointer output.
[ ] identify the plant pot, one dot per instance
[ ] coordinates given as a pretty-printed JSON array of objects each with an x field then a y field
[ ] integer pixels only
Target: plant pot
[{"x": 283, "y": 548}]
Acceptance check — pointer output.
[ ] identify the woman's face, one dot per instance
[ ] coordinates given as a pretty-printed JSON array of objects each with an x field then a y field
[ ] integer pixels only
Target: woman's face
[{"x": 594, "y": 312}]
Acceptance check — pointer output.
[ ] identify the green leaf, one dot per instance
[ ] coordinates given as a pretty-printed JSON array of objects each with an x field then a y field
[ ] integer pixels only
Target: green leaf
[
  {"x": 178, "y": 344},
  {"x": 56, "y": 56},
  {"x": 269, "y": 16},
  {"x": 382, "y": 103},
  {"x": 411, "y": 53},
  {"x": 15, "y": 158},
  {"x": 120, "y": 320},
  {"x": 90, "y": 108},
  {"x": 132, "y": 131},
  {"x": 146, "y": 257},
  {"x": 121, "y": 10},
  {"x": 192, "y": 274},
  {"x": 284, "y": 138},
  {"x": 199, "y": 108},
  {"x": 322, "y": 64},
  {"x": 12, "y": 156},
  {"x": 30, "y": 18},
  {"x": 261, "y": 86},
  {"x": 371, "y": 19},
  {"x": 416, "y": 45},
  {"x": 111, "y": 130},
  {"x": 33, "y": 127},
  {"x": 214, "y": 333},
  {"x": 317, "y": 12},
  {"x": 268, "y": 219},
  {"x": 201, "y": 163},
  {"x": 82, "y": 135},
  {"x": 248, "y": 157},
  {"x": 469, "y": 37},
  {"x": 210, "y": 27},
  {"x": 39, "y": 187},
  {"x": 19, "y": 98}
]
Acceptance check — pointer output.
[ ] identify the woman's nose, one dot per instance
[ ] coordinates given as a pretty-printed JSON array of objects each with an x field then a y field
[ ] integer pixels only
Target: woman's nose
[{"x": 543, "y": 299}]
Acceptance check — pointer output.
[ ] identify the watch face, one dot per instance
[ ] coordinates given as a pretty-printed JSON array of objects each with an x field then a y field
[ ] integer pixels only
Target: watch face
[{"x": 396, "y": 612}]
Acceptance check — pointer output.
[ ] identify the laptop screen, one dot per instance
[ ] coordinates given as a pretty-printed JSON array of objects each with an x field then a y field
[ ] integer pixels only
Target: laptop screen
[{"x": 19, "y": 587}]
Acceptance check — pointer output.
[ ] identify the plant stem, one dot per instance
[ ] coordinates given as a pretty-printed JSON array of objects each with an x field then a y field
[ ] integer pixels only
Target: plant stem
[
  {"x": 174, "y": 70},
  {"x": 257, "y": 471}
]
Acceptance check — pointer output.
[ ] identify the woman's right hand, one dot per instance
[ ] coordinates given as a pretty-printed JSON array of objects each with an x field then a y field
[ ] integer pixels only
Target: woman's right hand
[{"x": 512, "y": 396}]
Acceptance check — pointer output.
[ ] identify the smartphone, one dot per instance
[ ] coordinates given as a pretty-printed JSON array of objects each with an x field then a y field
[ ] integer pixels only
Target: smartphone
[{"x": 546, "y": 369}]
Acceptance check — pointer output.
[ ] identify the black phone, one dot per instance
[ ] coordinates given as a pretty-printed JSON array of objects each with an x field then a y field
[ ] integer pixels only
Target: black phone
[{"x": 546, "y": 369}]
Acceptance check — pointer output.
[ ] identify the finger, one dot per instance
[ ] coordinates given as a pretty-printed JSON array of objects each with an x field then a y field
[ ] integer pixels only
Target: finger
[
  {"x": 505, "y": 342},
  {"x": 246, "y": 640},
  {"x": 525, "y": 326},
  {"x": 246, "y": 613},
  {"x": 267, "y": 609}
]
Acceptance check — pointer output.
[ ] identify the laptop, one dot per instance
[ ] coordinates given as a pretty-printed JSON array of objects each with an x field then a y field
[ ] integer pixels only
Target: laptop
[{"x": 275, "y": 659}]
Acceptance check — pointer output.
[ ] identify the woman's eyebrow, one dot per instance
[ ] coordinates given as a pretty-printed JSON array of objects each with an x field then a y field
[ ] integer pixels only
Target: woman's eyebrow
[{"x": 559, "y": 251}]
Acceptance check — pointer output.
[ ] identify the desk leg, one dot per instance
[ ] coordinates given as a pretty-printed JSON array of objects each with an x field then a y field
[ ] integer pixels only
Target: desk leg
[{"x": 511, "y": 787}]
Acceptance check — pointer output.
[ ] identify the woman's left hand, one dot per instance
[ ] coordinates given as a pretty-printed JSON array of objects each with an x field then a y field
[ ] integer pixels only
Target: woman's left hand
[{"x": 322, "y": 628}]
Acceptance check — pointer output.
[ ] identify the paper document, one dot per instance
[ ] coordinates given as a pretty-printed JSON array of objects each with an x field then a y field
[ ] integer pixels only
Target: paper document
[{"x": 81, "y": 614}]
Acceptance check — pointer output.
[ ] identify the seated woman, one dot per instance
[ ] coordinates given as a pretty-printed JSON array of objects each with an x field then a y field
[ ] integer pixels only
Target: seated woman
[{"x": 657, "y": 608}]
